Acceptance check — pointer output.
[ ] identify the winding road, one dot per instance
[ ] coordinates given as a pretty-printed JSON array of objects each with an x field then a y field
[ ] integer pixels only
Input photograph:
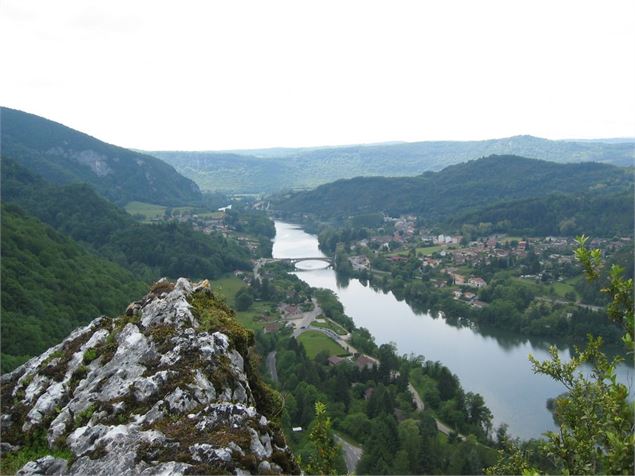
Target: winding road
[
  {"x": 442, "y": 427},
  {"x": 352, "y": 453},
  {"x": 271, "y": 366}
]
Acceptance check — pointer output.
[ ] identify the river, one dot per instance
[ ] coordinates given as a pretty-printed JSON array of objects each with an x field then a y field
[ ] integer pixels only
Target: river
[{"x": 494, "y": 366}]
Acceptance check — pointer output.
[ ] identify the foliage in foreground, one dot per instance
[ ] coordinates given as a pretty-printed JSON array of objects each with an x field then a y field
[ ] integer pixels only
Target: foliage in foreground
[{"x": 326, "y": 451}]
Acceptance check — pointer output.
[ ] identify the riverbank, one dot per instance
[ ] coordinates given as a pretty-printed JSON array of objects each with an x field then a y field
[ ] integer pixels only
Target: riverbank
[{"x": 495, "y": 367}]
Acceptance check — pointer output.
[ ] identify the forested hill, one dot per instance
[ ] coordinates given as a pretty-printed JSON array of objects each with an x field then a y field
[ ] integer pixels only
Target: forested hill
[
  {"x": 592, "y": 213},
  {"x": 63, "y": 155},
  {"x": 457, "y": 188},
  {"x": 51, "y": 285},
  {"x": 69, "y": 255},
  {"x": 283, "y": 169},
  {"x": 151, "y": 251}
]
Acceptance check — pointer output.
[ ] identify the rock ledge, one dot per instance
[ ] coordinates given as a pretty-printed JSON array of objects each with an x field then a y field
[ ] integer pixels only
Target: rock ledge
[{"x": 167, "y": 388}]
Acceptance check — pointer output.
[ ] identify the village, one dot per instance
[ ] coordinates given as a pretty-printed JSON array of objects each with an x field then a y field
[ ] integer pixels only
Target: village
[
  {"x": 466, "y": 266},
  {"x": 231, "y": 224}
]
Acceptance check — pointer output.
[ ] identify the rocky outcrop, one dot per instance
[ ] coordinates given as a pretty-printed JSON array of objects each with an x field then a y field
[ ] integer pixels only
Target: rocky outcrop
[{"x": 167, "y": 388}]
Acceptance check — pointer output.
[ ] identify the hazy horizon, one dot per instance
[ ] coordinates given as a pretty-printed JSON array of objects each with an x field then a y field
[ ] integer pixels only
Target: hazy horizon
[
  {"x": 246, "y": 75},
  {"x": 614, "y": 140}
]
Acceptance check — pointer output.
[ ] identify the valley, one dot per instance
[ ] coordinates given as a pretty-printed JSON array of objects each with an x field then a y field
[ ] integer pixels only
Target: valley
[
  {"x": 408, "y": 311},
  {"x": 317, "y": 238}
]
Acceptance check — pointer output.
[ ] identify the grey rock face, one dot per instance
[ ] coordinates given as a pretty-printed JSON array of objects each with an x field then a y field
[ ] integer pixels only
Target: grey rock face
[
  {"x": 46, "y": 465},
  {"x": 152, "y": 392}
]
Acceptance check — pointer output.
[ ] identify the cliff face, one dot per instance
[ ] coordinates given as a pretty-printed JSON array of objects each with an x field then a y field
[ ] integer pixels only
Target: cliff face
[{"x": 168, "y": 388}]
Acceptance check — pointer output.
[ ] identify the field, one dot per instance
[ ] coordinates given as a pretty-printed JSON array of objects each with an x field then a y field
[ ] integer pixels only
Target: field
[
  {"x": 148, "y": 210},
  {"x": 421, "y": 251},
  {"x": 210, "y": 215},
  {"x": 251, "y": 317},
  {"x": 564, "y": 287},
  {"x": 315, "y": 342},
  {"x": 429, "y": 250},
  {"x": 227, "y": 287}
]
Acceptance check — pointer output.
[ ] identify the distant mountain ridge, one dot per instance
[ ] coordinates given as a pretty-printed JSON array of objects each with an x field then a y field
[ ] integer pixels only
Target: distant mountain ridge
[
  {"x": 271, "y": 170},
  {"x": 63, "y": 155},
  {"x": 456, "y": 188}
]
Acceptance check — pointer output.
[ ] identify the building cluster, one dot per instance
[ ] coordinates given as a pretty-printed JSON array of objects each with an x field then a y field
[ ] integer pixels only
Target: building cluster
[
  {"x": 359, "y": 263},
  {"x": 486, "y": 251}
]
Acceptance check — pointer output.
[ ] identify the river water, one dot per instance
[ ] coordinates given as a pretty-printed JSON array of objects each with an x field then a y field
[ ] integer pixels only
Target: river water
[{"x": 494, "y": 366}]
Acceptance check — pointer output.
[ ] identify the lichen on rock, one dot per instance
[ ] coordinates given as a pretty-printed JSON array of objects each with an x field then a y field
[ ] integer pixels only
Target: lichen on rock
[{"x": 166, "y": 388}]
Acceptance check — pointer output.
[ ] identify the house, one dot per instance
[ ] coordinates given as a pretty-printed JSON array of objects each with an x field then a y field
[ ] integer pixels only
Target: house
[
  {"x": 477, "y": 282},
  {"x": 469, "y": 296},
  {"x": 458, "y": 278},
  {"x": 272, "y": 327},
  {"x": 431, "y": 262},
  {"x": 359, "y": 263},
  {"x": 365, "y": 362},
  {"x": 335, "y": 360},
  {"x": 459, "y": 258}
]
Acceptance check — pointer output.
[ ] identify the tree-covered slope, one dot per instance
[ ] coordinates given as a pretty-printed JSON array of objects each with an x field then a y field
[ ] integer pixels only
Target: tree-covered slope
[
  {"x": 456, "y": 188},
  {"x": 152, "y": 251},
  {"x": 595, "y": 214},
  {"x": 63, "y": 155},
  {"x": 232, "y": 172},
  {"x": 51, "y": 285},
  {"x": 275, "y": 170}
]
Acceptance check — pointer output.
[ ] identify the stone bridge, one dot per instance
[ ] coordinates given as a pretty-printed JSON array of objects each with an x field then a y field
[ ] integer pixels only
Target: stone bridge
[
  {"x": 262, "y": 261},
  {"x": 325, "y": 259}
]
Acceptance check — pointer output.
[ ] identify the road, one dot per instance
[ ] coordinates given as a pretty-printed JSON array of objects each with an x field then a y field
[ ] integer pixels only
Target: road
[
  {"x": 271, "y": 366},
  {"x": 307, "y": 318},
  {"x": 416, "y": 398},
  {"x": 352, "y": 453},
  {"x": 258, "y": 264},
  {"x": 442, "y": 427},
  {"x": 579, "y": 304}
]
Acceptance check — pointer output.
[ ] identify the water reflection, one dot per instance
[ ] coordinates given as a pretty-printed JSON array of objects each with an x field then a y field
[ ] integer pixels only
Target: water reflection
[{"x": 311, "y": 265}]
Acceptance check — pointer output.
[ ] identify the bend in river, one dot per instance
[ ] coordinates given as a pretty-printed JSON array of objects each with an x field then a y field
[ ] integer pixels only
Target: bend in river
[{"x": 495, "y": 367}]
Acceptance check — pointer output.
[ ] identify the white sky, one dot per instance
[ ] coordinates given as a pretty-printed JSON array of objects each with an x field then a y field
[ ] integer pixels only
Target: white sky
[{"x": 234, "y": 74}]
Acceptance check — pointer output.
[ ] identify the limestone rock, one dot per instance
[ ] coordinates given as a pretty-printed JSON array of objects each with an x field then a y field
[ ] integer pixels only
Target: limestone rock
[
  {"x": 46, "y": 465},
  {"x": 167, "y": 388}
]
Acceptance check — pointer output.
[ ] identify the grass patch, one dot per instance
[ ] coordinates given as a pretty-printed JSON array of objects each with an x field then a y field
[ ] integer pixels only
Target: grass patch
[
  {"x": 329, "y": 324},
  {"x": 148, "y": 210},
  {"x": 90, "y": 355},
  {"x": 214, "y": 315},
  {"x": 315, "y": 342},
  {"x": 11, "y": 463},
  {"x": 421, "y": 250},
  {"x": 227, "y": 287},
  {"x": 429, "y": 250},
  {"x": 561, "y": 288},
  {"x": 251, "y": 318},
  {"x": 211, "y": 215},
  {"x": 35, "y": 447},
  {"x": 83, "y": 417}
]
